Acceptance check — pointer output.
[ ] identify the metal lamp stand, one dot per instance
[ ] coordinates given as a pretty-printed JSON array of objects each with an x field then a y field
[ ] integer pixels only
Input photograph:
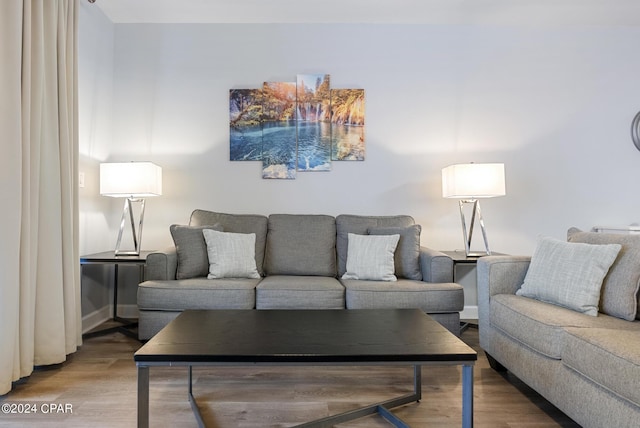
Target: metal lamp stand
[
  {"x": 127, "y": 213},
  {"x": 475, "y": 213}
]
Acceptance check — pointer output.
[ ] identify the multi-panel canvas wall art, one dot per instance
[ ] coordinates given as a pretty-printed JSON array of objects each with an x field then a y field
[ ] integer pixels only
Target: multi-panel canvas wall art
[
  {"x": 296, "y": 126},
  {"x": 245, "y": 124},
  {"x": 313, "y": 97},
  {"x": 279, "y": 130},
  {"x": 347, "y": 124}
]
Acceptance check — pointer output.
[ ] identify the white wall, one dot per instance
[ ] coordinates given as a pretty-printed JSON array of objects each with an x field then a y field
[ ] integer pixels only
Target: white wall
[
  {"x": 95, "y": 98},
  {"x": 553, "y": 104}
]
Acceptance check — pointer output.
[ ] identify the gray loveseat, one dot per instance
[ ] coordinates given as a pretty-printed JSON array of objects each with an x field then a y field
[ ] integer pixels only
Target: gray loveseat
[
  {"x": 587, "y": 366},
  {"x": 300, "y": 260}
]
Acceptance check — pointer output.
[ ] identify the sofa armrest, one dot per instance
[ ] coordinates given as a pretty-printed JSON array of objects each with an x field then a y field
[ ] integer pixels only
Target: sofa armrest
[
  {"x": 162, "y": 265},
  {"x": 496, "y": 275},
  {"x": 435, "y": 266},
  {"x": 501, "y": 274}
]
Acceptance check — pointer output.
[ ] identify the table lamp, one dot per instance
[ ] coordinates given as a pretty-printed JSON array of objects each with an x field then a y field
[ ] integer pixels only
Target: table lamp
[
  {"x": 470, "y": 182},
  {"x": 134, "y": 181}
]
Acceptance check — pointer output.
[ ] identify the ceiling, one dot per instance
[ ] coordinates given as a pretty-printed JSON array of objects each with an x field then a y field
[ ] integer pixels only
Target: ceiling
[{"x": 475, "y": 12}]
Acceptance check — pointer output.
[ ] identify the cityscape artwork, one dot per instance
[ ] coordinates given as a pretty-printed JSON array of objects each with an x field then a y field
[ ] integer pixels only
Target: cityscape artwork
[{"x": 299, "y": 126}]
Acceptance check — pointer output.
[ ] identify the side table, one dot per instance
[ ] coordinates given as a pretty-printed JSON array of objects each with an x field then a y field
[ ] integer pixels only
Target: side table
[
  {"x": 461, "y": 258},
  {"x": 109, "y": 258}
]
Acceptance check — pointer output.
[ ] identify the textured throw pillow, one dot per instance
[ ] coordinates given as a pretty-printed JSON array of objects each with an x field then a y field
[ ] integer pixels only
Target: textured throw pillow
[
  {"x": 370, "y": 257},
  {"x": 360, "y": 224},
  {"x": 191, "y": 249},
  {"x": 407, "y": 257},
  {"x": 619, "y": 295},
  {"x": 231, "y": 255},
  {"x": 568, "y": 274}
]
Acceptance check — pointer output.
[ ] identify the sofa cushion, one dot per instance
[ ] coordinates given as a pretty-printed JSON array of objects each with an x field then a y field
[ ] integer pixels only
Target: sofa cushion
[
  {"x": 370, "y": 257},
  {"x": 347, "y": 223},
  {"x": 609, "y": 358},
  {"x": 191, "y": 248},
  {"x": 231, "y": 255},
  {"x": 197, "y": 293},
  {"x": 299, "y": 292},
  {"x": 407, "y": 256},
  {"x": 542, "y": 326},
  {"x": 237, "y": 223},
  {"x": 301, "y": 245},
  {"x": 404, "y": 294},
  {"x": 619, "y": 295},
  {"x": 568, "y": 274}
]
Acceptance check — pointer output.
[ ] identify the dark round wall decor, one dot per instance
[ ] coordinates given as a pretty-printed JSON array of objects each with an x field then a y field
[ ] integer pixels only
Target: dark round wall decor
[{"x": 635, "y": 131}]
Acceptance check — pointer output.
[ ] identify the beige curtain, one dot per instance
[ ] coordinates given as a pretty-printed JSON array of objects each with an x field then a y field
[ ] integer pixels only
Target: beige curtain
[{"x": 40, "y": 320}]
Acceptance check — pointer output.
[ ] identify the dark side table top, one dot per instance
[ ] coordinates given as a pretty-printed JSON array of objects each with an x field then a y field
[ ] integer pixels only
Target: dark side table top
[
  {"x": 305, "y": 336},
  {"x": 461, "y": 256},
  {"x": 110, "y": 257}
]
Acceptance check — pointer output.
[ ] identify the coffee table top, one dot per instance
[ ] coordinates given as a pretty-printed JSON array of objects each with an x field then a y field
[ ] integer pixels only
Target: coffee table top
[{"x": 305, "y": 336}]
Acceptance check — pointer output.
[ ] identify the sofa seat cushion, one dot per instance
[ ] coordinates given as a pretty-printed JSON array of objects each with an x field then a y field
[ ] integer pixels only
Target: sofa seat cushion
[
  {"x": 301, "y": 245},
  {"x": 197, "y": 293},
  {"x": 609, "y": 358},
  {"x": 404, "y": 294},
  {"x": 542, "y": 326},
  {"x": 299, "y": 292}
]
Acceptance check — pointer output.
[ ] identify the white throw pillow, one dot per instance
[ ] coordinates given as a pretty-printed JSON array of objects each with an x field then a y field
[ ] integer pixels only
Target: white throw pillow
[
  {"x": 231, "y": 255},
  {"x": 568, "y": 274},
  {"x": 370, "y": 257}
]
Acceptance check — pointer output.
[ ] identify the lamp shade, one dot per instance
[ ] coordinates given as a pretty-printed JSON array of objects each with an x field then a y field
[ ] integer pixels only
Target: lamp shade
[
  {"x": 130, "y": 179},
  {"x": 473, "y": 180}
]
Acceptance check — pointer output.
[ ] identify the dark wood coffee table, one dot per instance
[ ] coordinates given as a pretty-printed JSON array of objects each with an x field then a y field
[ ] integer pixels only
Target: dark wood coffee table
[{"x": 316, "y": 337}]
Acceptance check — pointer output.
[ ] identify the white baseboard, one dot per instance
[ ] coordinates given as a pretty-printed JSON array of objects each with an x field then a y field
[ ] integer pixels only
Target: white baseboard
[
  {"x": 469, "y": 313},
  {"x": 97, "y": 317}
]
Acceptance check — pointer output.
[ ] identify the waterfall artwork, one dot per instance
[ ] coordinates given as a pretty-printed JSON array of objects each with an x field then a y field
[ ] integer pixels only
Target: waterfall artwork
[
  {"x": 313, "y": 95},
  {"x": 279, "y": 130},
  {"x": 245, "y": 124},
  {"x": 299, "y": 126},
  {"x": 347, "y": 124}
]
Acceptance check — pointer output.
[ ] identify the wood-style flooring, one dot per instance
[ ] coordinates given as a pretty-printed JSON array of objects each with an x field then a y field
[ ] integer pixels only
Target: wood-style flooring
[{"x": 96, "y": 387}]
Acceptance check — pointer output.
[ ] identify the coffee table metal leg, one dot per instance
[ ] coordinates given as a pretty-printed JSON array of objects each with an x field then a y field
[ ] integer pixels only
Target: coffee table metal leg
[
  {"x": 391, "y": 418},
  {"x": 383, "y": 409},
  {"x": 192, "y": 400},
  {"x": 143, "y": 396},
  {"x": 467, "y": 396},
  {"x": 417, "y": 382}
]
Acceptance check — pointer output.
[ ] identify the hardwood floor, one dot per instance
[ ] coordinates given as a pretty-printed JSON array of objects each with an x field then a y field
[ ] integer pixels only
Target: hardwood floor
[{"x": 98, "y": 385}]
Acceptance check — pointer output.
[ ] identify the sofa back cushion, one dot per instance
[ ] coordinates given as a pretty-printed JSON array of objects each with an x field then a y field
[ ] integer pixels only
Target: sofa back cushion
[
  {"x": 619, "y": 296},
  {"x": 361, "y": 225},
  {"x": 407, "y": 256},
  {"x": 237, "y": 223},
  {"x": 301, "y": 245},
  {"x": 191, "y": 248}
]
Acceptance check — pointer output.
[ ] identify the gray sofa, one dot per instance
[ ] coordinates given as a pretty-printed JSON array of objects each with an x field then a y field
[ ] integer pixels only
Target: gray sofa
[
  {"x": 587, "y": 366},
  {"x": 300, "y": 260}
]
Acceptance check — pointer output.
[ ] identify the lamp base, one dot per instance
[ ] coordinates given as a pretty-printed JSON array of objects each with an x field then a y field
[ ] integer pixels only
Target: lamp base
[
  {"x": 477, "y": 254},
  {"x": 127, "y": 213},
  {"x": 476, "y": 213}
]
